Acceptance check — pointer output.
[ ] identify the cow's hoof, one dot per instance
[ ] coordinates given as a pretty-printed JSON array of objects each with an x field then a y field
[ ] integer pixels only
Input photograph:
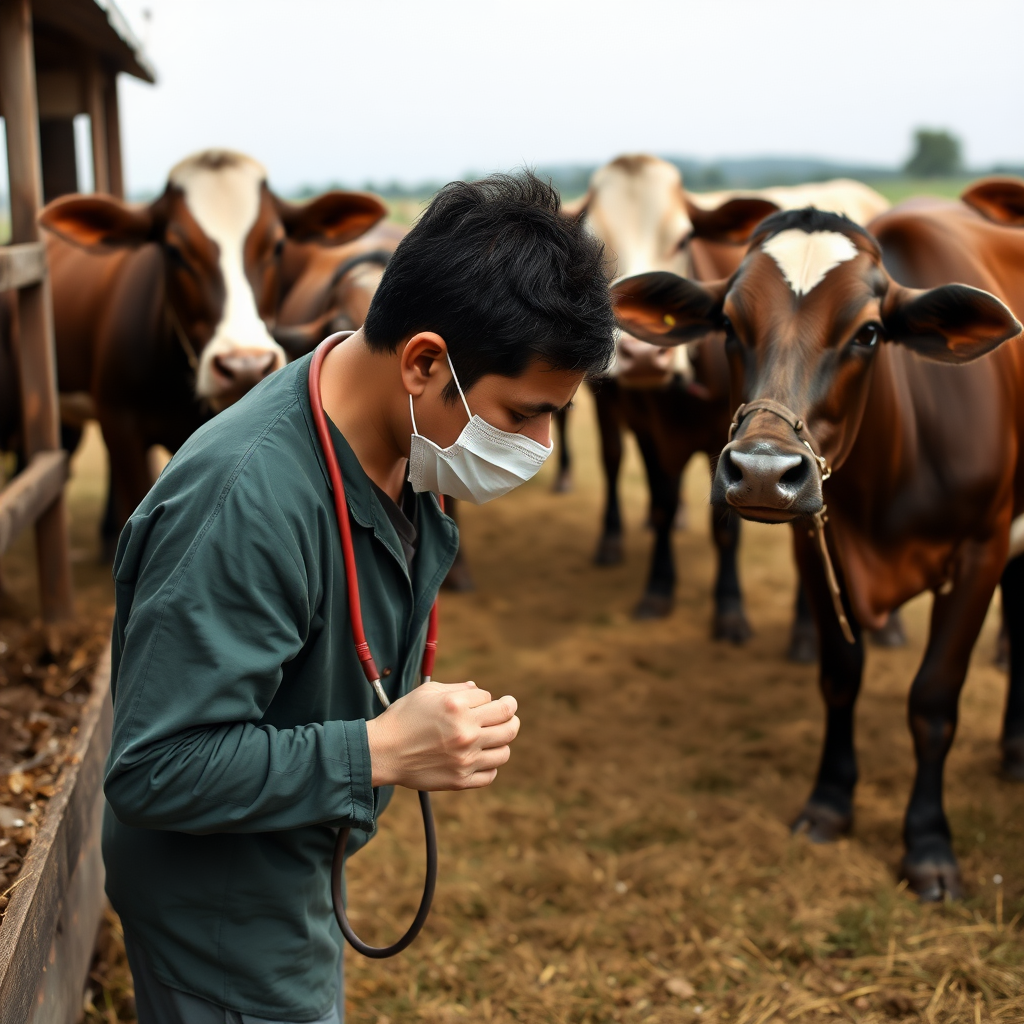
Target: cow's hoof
[
  {"x": 731, "y": 626},
  {"x": 653, "y": 606},
  {"x": 934, "y": 880},
  {"x": 891, "y": 634},
  {"x": 803, "y": 644},
  {"x": 459, "y": 579},
  {"x": 1001, "y": 659},
  {"x": 563, "y": 483},
  {"x": 821, "y": 823},
  {"x": 609, "y": 550},
  {"x": 1013, "y": 759}
]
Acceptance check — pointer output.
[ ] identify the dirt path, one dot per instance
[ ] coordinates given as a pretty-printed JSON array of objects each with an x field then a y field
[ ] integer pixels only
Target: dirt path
[{"x": 633, "y": 861}]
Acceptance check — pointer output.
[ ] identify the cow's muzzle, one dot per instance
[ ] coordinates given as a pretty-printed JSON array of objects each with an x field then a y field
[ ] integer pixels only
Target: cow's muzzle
[
  {"x": 767, "y": 477},
  {"x": 764, "y": 482}
]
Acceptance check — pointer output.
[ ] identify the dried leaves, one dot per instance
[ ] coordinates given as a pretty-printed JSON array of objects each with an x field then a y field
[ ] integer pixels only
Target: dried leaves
[{"x": 44, "y": 678}]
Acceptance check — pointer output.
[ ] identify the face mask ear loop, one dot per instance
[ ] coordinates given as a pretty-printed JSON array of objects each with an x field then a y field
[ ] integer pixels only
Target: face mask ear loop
[
  {"x": 412, "y": 416},
  {"x": 458, "y": 385}
]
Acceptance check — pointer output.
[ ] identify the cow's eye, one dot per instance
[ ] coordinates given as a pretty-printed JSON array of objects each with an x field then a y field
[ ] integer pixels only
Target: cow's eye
[
  {"x": 278, "y": 248},
  {"x": 869, "y": 335}
]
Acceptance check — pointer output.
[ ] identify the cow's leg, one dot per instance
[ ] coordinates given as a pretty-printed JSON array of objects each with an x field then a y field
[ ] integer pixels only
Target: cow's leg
[
  {"x": 803, "y": 637},
  {"x": 929, "y": 864},
  {"x": 1013, "y": 626},
  {"x": 130, "y": 477},
  {"x": 459, "y": 578},
  {"x": 563, "y": 479},
  {"x": 730, "y": 621},
  {"x": 659, "y": 594},
  {"x": 828, "y": 812},
  {"x": 609, "y": 547}
]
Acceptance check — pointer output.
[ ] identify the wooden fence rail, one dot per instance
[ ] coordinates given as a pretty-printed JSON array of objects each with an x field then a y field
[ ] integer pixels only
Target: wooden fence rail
[{"x": 37, "y": 494}]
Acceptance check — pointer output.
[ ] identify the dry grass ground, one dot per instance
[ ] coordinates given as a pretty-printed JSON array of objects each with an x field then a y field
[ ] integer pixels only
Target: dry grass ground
[{"x": 633, "y": 861}]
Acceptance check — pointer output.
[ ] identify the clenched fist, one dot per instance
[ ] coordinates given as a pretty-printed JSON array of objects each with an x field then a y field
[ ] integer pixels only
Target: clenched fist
[{"x": 442, "y": 736}]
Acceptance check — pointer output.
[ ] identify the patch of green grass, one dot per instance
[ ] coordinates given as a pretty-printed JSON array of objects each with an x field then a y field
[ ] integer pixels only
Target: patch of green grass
[{"x": 898, "y": 189}]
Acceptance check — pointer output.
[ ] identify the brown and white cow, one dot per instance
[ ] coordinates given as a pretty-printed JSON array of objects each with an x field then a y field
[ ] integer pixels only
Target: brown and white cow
[
  {"x": 674, "y": 400},
  {"x": 164, "y": 311},
  {"x": 875, "y": 379}
]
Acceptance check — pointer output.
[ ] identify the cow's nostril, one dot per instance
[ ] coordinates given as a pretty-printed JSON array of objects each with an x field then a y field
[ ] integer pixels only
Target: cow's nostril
[
  {"x": 733, "y": 473},
  {"x": 223, "y": 367},
  {"x": 795, "y": 476}
]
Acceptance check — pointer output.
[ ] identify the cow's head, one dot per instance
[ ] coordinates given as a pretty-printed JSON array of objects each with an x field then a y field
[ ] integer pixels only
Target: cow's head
[
  {"x": 805, "y": 316},
  {"x": 638, "y": 207},
  {"x": 221, "y": 231}
]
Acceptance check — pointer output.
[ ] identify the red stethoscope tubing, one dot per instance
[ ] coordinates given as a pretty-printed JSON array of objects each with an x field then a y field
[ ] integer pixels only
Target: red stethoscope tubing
[{"x": 371, "y": 673}]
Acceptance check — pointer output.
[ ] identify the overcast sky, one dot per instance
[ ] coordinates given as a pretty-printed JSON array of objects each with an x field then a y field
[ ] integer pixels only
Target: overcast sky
[{"x": 334, "y": 90}]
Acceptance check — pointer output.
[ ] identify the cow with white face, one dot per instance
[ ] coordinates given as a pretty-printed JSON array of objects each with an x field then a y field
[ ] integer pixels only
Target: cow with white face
[{"x": 164, "y": 311}]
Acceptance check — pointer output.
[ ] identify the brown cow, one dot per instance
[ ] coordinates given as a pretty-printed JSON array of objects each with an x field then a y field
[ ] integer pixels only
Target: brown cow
[
  {"x": 848, "y": 353},
  {"x": 162, "y": 311}
]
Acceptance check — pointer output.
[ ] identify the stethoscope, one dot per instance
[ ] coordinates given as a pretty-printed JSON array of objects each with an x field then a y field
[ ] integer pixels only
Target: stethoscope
[{"x": 371, "y": 673}]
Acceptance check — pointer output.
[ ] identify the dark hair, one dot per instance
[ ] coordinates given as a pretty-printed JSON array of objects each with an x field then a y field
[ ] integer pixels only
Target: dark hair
[{"x": 503, "y": 277}]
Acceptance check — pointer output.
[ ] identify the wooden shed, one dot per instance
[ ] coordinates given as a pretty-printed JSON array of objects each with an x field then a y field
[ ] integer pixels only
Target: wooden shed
[{"x": 58, "y": 59}]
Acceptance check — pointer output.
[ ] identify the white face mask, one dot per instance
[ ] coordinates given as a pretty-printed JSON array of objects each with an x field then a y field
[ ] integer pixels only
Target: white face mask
[{"x": 483, "y": 463}]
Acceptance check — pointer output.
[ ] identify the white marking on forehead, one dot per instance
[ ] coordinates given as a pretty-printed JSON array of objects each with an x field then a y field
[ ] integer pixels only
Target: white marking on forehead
[
  {"x": 805, "y": 258},
  {"x": 222, "y": 190}
]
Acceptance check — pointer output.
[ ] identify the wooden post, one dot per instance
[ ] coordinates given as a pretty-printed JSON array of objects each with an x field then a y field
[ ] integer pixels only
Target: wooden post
[
  {"x": 113, "y": 121},
  {"x": 96, "y": 108},
  {"x": 36, "y": 362}
]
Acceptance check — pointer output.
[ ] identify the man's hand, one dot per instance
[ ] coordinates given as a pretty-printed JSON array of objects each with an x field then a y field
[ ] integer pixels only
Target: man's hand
[{"x": 442, "y": 736}]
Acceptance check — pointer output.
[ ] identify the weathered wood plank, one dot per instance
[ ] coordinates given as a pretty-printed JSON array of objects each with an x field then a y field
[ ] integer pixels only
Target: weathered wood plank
[
  {"x": 38, "y": 899},
  {"x": 22, "y": 265},
  {"x": 30, "y": 494},
  {"x": 59, "y": 997}
]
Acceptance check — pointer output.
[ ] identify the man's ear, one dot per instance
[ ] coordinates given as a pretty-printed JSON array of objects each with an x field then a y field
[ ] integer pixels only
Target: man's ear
[
  {"x": 331, "y": 219},
  {"x": 665, "y": 309},
  {"x": 734, "y": 221},
  {"x": 97, "y": 222},
  {"x": 951, "y": 324},
  {"x": 999, "y": 199}
]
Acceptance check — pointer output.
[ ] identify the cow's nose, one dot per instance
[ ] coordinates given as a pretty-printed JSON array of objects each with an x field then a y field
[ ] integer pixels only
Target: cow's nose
[
  {"x": 245, "y": 368},
  {"x": 768, "y": 484}
]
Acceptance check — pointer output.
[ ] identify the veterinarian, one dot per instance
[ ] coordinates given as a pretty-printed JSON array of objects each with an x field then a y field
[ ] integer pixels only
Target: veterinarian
[{"x": 245, "y": 733}]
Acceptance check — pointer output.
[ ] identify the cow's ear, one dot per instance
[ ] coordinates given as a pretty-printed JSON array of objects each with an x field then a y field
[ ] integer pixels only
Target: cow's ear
[
  {"x": 331, "y": 219},
  {"x": 734, "y": 221},
  {"x": 576, "y": 208},
  {"x": 951, "y": 324},
  {"x": 999, "y": 199},
  {"x": 98, "y": 222},
  {"x": 665, "y": 309}
]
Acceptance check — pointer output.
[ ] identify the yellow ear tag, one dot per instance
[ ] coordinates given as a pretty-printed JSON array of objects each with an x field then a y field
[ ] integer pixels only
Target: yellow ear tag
[{"x": 669, "y": 319}]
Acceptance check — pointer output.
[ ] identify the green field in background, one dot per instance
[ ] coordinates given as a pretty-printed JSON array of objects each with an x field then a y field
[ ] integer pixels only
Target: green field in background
[{"x": 898, "y": 189}]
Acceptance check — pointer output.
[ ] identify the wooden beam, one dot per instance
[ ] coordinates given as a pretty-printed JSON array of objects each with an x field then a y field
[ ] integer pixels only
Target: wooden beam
[
  {"x": 67, "y": 830},
  {"x": 22, "y": 265},
  {"x": 96, "y": 107},
  {"x": 37, "y": 368},
  {"x": 30, "y": 494},
  {"x": 18, "y": 88},
  {"x": 112, "y": 115}
]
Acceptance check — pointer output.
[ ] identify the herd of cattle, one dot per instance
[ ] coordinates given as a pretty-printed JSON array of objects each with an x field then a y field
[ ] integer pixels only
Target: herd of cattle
[{"x": 797, "y": 336}]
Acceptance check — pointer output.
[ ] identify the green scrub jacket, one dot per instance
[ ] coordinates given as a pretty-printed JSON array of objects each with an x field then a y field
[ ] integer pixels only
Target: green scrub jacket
[{"x": 240, "y": 709}]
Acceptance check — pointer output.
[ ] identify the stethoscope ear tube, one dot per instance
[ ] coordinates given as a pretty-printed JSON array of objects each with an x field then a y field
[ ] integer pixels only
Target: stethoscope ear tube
[
  {"x": 372, "y": 676},
  {"x": 382, "y": 952}
]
